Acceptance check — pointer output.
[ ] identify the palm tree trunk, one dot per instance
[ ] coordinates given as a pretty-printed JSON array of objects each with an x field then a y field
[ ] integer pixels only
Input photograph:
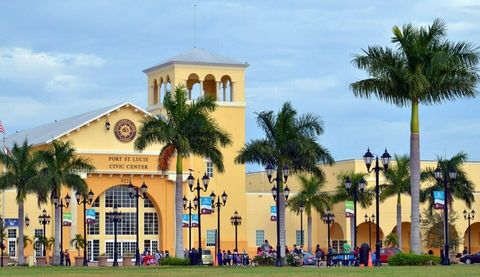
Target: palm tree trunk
[
  {"x": 21, "y": 247},
  {"x": 56, "y": 245},
  {"x": 309, "y": 227},
  {"x": 415, "y": 179},
  {"x": 281, "y": 218},
  {"x": 399, "y": 221},
  {"x": 179, "y": 209},
  {"x": 352, "y": 232}
]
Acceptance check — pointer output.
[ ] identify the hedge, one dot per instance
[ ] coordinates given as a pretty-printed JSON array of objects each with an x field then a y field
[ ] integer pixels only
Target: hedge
[
  {"x": 174, "y": 261},
  {"x": 403, "y": 259}
]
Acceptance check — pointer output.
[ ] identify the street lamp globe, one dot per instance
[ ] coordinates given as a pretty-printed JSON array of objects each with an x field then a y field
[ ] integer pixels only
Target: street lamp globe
[
  {"x": 348, "y": 183},
  {"x": 386, "y": 159},
  {"x": 368, "y": 158}
]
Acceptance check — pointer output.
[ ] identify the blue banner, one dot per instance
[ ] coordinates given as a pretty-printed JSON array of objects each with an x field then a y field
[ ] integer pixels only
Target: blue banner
[
  {"x": 11, "y": 222},
  {"x": 206, "y": 205},
  {"x": 91, "y": 216},
  {"x": 194, "y": 220},
  {"x": 438, "y": 199},
  {"x": 185, "y": 220},
  {"x": 273, "y": 213}
]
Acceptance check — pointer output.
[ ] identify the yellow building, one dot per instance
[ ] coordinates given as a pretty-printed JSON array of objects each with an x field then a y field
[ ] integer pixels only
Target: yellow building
[
  {"x": 259, "y": 201},
  {"x": 106, "y": 137}
]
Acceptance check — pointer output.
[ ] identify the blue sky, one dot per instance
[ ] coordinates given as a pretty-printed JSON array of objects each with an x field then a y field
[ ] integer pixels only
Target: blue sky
[{"x": 60, "y": 58}]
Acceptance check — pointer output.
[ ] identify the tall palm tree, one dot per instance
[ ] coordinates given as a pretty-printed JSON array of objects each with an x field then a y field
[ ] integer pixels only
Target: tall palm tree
[
  {"x": 312, "y": 197},
  {"x": 462, "y": 188},
  {"x": 398, "y": 183},
  {"x": 21, "y": 174},
  {"x": 184, "y": 129},
  {"x": 423, "y": 68},
  {"x": 341, "y": 194},
  {"x": 60, "y": 167},
  {"x": 290, "y": 140}
]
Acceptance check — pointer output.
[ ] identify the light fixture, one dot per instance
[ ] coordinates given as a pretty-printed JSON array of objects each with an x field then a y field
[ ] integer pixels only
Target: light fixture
[{"x": 107, "y": 125}]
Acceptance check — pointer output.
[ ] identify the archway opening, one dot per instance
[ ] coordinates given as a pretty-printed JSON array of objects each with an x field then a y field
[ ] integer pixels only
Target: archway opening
[
  {"x": 193, "y": 87},
  {"x": 474, "y": 240},
  {"x": 367, "y": 233},
  {"x": 405, "y": 240}
]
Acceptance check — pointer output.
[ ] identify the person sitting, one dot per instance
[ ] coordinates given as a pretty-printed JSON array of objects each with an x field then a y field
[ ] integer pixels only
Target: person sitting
[
  {"x": 259, "y": 251},
  {"x": 266, "y": 246}
]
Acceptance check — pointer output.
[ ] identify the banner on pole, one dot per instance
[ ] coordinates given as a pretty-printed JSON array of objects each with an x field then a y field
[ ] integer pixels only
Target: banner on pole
[
  {"x": 91, "y": 216},
  {"x": 67, "y": 218},
  {"x": 185, "y": 221},
  {"x": 194, "y": 220},
  {"x": 349, "y": 211},
  {"x": 438, "y": 199},
  {"x": 206, "y": 205},
  {"x": 273, "y": 213}
]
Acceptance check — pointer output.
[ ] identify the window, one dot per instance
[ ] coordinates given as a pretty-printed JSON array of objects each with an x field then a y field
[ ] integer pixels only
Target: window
[
  {"x": 39, "y": 247},
  {"x": 209, "y": 165},
  {"x": 337, "y": 245},
  {"x": 96, "y": 203},
  {"x": 298, "y": 237},
  {"x": 12, "y": 248},
  {"x": 150, "y": 224},
  {"x": 127, "y": 226},
  {"x": 93, "y": 248},
  {"x": 119, "y": 196},
  {"x": 94, "y": 229},
  {"x": 151, "y": 245},
  {"x": 128, "y": 247},
  {"x": 109, "y": 249},
  {"x": 211, "y": 237},
  {"x": 12, "y": 233},
  {"x": 122, "y": 247},
  {"x": 259, "y": 237},
  {"x": 147, "y": 203}
]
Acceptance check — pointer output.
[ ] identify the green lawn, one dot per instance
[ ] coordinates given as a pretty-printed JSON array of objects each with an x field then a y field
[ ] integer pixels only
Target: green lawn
[{"x": 431, "y": 271}]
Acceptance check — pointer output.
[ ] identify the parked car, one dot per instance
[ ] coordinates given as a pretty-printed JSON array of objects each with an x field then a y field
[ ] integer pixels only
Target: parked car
[
  {"x": 207, "y": 257},
  {"x": 308, "y": 258},
  {"x": 470, "y": 258},
  {"x": 386, "y": 253}
]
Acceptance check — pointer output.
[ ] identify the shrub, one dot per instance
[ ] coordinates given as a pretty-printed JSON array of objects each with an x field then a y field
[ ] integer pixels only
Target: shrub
[
  {"x": 175, "y": 261},
  {"x": 264, "y": 259},
  {"x": 295, "y": 259},
  {"x": 403, "y": 259}
]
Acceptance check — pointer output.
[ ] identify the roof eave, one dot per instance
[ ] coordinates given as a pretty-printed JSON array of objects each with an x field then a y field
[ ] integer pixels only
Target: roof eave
[{"x": 150, "y": 69}]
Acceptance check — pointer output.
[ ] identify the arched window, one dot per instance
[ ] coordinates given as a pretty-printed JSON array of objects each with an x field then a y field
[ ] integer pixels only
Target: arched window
[
  {"x": 226, "y": 86},
  {"x": 193, "y": 86},
  {"x": 155, "y": 92}
]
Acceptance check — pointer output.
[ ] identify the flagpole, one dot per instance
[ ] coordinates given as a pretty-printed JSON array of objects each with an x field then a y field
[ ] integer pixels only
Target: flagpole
[{"x": 4, "y": 170}]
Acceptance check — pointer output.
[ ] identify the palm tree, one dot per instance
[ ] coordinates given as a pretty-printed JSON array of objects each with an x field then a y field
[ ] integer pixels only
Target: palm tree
[
  {"x": 185, "y": 129},
  {"x": 26, "y": 241},
  {"x": 341, "y": 194},
  {"x": 61, "y": 167},
  {"x": 290, "y": 141},
  {"x": 398, "y": 183},
  {"x": 78, "y": 242},
  {"x": 424, "y": 68},
  {"x": 461, "y": 188},
  {"x": 21, "y": 174},
  {"x": 310, "y": 197},
  {"x": 391, "y": 240}
]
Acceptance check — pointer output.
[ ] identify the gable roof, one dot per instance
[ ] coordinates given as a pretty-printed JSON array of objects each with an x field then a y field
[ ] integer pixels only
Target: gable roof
[
  {"x": 46, "y": 133},
  {"x": 198, "y": 56}
]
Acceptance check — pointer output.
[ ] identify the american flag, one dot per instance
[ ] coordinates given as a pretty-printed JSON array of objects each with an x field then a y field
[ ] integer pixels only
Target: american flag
[
  {"x": 2, "y": 129},
  {"x": 7, "y": 151}
]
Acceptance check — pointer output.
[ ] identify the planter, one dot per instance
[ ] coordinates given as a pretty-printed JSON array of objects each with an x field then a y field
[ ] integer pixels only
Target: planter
[
  {"x": 127, "y": 260},
  {"x": 6, "y": 259},
  {"x": 41, "y": 261},
  {"x": 102, "y": 260},
  {"x": 50, "y": 259},
  {"x": 78, "y": 261}
]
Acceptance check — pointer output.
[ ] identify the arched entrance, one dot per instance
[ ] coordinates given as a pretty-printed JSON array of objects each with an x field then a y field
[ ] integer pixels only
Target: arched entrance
[
  {"x": 336, "y": 233},
  {"x": 475, "y": 237},
  {"x": 100, "y": 235},
  {"x": 366, "y": 233},
  {"x": 405, "y": 236}
]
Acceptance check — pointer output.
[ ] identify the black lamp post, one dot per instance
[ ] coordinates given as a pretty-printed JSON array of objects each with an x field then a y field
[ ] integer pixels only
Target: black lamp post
[
  {"x": 368, "y": 158},
  {"x": 328, "y": 218},
  {"x": 87, "y": 199},
  {"x": 221, "y": 201},
  {"x": 199, "y": 188},
  {"x": 451, "y": 176},
  {"x": 302, "y": 208},
  {"x": 27, "y": 220},
  {"x": 276, "y": 197},
  {"x": 370, "y": 220},
  {"x": 44, "y": 219},
  {"x": 115, "y": 217},
  {"x": 137, "y": 193},
  {"x": 236, "y": 221},
  {"x": 61, "y": 205},
  {"x": 2, "y": 245},
  {"x": 355, "y": 188},
  {"x": 189, "y": 208},
  {"x": 469, "y": 216}
]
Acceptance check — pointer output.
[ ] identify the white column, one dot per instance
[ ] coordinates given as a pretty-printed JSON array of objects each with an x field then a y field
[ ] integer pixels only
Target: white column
[
  {"x": 202, "y": 92},
  {"x": 73, "y": 228},
  {"x": 232, "y": 85},
  {"x": 224, "y": 92}
]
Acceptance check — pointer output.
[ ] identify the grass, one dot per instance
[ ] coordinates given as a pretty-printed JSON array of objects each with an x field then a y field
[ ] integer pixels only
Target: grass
[{"x": 432, "y": 271}]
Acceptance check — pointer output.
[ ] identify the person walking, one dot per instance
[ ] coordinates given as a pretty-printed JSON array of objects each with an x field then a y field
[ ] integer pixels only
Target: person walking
[
  {"x": 318, "y": 254},
  {"x": 68, "y": 262}
]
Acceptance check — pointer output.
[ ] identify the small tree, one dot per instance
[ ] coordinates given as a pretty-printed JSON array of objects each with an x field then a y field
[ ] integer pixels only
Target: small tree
[
  {"x": 392, "y": 240},
  {"x": 26, "y": 241},
  {"x": 432, "y": 226},
  {"x": 78, "y": 242},
  {"x": 46, "y": 242}
]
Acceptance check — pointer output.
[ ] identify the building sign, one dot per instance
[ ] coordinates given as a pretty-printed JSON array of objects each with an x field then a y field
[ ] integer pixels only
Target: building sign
[
  {"x": 349, "y": 212},
  {"x": 67, "y": 219},
  {"x": 128, "y": 162},
  {"x": 194, "y": 220},
  {"x": 11, "y": 222},
  {"x": 91, "y": 216},
  {"x": 438, "y": 199},
  {"x": 125, "y": 130},
  {"x": 273, "y": 213},
  {"x": 206, "y": 205}
]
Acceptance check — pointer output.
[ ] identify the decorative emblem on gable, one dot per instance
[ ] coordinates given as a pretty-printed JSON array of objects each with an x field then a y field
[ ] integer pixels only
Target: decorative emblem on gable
[{"x": 125, "y": 130}]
